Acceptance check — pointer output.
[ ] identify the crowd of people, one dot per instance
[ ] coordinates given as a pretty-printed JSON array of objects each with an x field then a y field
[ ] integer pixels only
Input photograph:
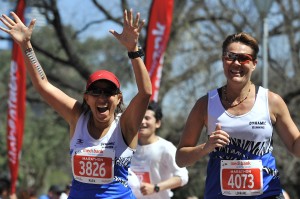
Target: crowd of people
[{"x": 116, "y": 152}]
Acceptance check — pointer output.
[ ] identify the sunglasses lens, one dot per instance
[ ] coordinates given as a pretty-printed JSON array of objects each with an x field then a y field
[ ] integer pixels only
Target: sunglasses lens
[
  {"x": 241, "y": 58},
  {"x": 98, "y": 92},
  {"x": 244, "y": 58},
  {"x": 231, "y": 57}
]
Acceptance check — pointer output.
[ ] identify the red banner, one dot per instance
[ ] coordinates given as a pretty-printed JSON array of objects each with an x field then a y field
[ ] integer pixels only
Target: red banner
[
  {"x": 159, "y": 27},
  {"x": 16, "y": 105}
]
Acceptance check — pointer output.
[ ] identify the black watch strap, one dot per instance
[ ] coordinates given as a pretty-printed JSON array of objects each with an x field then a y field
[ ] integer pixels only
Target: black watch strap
[
  {"x": 156, "y": 188},
  {"x": 139, "y": 53}
]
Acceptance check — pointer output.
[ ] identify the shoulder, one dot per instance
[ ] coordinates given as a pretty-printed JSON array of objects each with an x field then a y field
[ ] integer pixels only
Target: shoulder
[
  {"x": 277, "y": 106},
  {"x": 201, "y": 103},
  {"x": 166, "y": 145},
  {"x": 200, "y": 108},
  {"x": 275, "y": 100},
  {"x": 164, "y": 141},
  {"x": 76, "y": 113}
]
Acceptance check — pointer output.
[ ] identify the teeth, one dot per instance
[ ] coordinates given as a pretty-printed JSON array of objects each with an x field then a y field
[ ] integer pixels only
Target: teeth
[{"x": 235, "y": 71}]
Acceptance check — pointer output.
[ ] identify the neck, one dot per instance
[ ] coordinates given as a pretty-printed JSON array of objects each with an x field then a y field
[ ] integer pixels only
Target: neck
[
  {"x": 234, "y": 97},
  {"x": 97, "y": 130},
  {"x": 148, "y": 140}
]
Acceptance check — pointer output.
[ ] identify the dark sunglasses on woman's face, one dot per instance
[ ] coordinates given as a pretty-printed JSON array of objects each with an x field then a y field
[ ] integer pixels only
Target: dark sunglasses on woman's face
[
  {"x": 242, "y": 58},
  {"x": 98, "y": 92}
]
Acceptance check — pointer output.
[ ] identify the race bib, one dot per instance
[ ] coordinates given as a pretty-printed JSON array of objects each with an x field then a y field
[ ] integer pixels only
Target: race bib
[
  {"x": 241, "y": 177},
  {"x": 142, "y": 171},
  {"x": 94, "y": 165}
]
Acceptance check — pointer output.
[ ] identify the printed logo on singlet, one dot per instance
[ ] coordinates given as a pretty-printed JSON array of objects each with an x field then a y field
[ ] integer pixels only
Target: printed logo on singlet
[
  {"x": 258, "y": 124},
  {"x": 108, "y": 145},
  {"x": 121, "y": 161},
  {"x": 79, "y": 141}
]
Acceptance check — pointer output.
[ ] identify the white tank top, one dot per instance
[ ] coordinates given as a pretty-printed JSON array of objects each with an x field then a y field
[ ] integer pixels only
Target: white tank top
[
  {"x": 253, "y": 130},
  {"x": 250, "y": 139},
  {"x": 113, "y": 138}
]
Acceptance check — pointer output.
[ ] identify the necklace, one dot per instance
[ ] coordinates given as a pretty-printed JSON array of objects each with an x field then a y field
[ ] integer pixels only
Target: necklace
[{"x": 230, "y": 103}]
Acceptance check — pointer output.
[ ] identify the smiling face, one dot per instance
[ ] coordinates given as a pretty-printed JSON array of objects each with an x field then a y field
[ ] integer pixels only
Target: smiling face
[
  {"x": 103, "y": 98},
  {"x": 149, "y": 125},
  {"x": 236, "y": 66}
]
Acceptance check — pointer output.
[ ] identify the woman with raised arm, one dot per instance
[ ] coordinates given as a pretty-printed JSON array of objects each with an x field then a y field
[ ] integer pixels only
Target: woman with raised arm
[
  {"x": 239, "y": 118},
  {"x": 103, "y": 138}
]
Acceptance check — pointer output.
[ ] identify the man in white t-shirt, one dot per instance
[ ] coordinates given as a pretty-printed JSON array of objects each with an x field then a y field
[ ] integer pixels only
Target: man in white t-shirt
[{"x": 154, "y": 160}]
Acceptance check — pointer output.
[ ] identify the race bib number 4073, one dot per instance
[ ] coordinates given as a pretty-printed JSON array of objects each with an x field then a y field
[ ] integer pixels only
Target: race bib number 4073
[{"x": 241, "y": 177}]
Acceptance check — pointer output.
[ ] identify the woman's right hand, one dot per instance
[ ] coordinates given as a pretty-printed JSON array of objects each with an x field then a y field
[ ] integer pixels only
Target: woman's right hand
[
  {"x": 218, "y": 138},
  {"x": 20, "y": 33}
]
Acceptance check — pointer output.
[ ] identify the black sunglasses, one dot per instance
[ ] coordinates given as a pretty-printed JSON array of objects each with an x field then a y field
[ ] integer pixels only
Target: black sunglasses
[
  {"x": 242, "y": 58},
  {"x": 106, "y": 92}
]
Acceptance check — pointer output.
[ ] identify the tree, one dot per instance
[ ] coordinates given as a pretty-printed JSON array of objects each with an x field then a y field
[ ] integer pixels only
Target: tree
[{"x": 191, "y": 65}]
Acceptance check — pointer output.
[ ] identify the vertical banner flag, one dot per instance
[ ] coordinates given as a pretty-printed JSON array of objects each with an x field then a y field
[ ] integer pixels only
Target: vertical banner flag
[
  {"x": 159, "y": 27},
  {"x": 16, "y": 105}
]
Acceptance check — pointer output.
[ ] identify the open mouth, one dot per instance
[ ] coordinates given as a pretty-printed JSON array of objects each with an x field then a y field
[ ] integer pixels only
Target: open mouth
[
  {"x": 236, "y": 72},
  {"x": 102, "y": 109}
]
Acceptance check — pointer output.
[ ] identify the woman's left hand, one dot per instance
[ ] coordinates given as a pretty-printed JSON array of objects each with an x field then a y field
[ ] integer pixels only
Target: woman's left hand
[{"x": 131, "y": 31}]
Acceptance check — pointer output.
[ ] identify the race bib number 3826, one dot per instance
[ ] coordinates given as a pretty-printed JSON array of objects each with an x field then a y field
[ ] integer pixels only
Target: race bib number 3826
[
  {"x": 241, "y": 177},
  {"x": 93, "y": 166}
]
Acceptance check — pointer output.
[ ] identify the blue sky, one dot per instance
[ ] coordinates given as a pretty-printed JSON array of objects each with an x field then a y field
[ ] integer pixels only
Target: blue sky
[
  {"x": 4, "y": 9},
  {"x": 74, "y": 12}
]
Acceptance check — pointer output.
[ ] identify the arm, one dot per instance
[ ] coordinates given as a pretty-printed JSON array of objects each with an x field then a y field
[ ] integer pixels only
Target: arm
[
  {"x": 66, "y": 106},
  {"x": 179, "y": 176},
  {"x": 284, "y": 125},
  {"x": 134, "y": 113},
  {"x": 171, "y": 183},
  {"x": 188, "y": 152}
]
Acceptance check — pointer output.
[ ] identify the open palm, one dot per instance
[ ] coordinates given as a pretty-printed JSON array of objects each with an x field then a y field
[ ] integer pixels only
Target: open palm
[
  {"x": 131, "y": 30},
  {"x": 18, "y": 31}
]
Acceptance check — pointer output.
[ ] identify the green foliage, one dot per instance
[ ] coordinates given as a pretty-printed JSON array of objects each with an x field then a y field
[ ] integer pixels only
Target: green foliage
[
  {"x": 45, "y": 153},
  {"x": 45, "y": 148},
  {"x": 191, "y": 67}
]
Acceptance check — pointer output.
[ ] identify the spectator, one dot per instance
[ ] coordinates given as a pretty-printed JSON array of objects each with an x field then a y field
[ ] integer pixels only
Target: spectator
[
  {"x": 29, "y": 193},
  {"x": 4, "y": 188},
  {"x": 54, "y": 192},
  {"x": 65, "y": 193}
]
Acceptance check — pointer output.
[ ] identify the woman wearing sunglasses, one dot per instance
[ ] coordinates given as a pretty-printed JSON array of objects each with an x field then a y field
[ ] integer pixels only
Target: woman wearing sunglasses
[
  {"x": 103, "y": 139},
  {"x": 239, "y": 118}
]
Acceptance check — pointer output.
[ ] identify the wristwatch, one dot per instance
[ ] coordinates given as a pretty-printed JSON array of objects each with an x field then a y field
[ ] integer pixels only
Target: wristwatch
[
  {"x": 156, "y": 188},
  {"x": 139, "y": 53}
]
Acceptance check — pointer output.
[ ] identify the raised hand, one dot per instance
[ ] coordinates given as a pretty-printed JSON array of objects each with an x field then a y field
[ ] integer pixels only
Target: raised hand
[
  {"x": 16, "y": 28},
  {"x": 131, "y": 31}
]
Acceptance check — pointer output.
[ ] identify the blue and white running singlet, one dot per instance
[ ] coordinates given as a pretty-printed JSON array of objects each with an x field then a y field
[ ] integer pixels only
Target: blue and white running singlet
[
  {"x": 245, "y": 167},
  {"x": 100, "y": 167}
]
